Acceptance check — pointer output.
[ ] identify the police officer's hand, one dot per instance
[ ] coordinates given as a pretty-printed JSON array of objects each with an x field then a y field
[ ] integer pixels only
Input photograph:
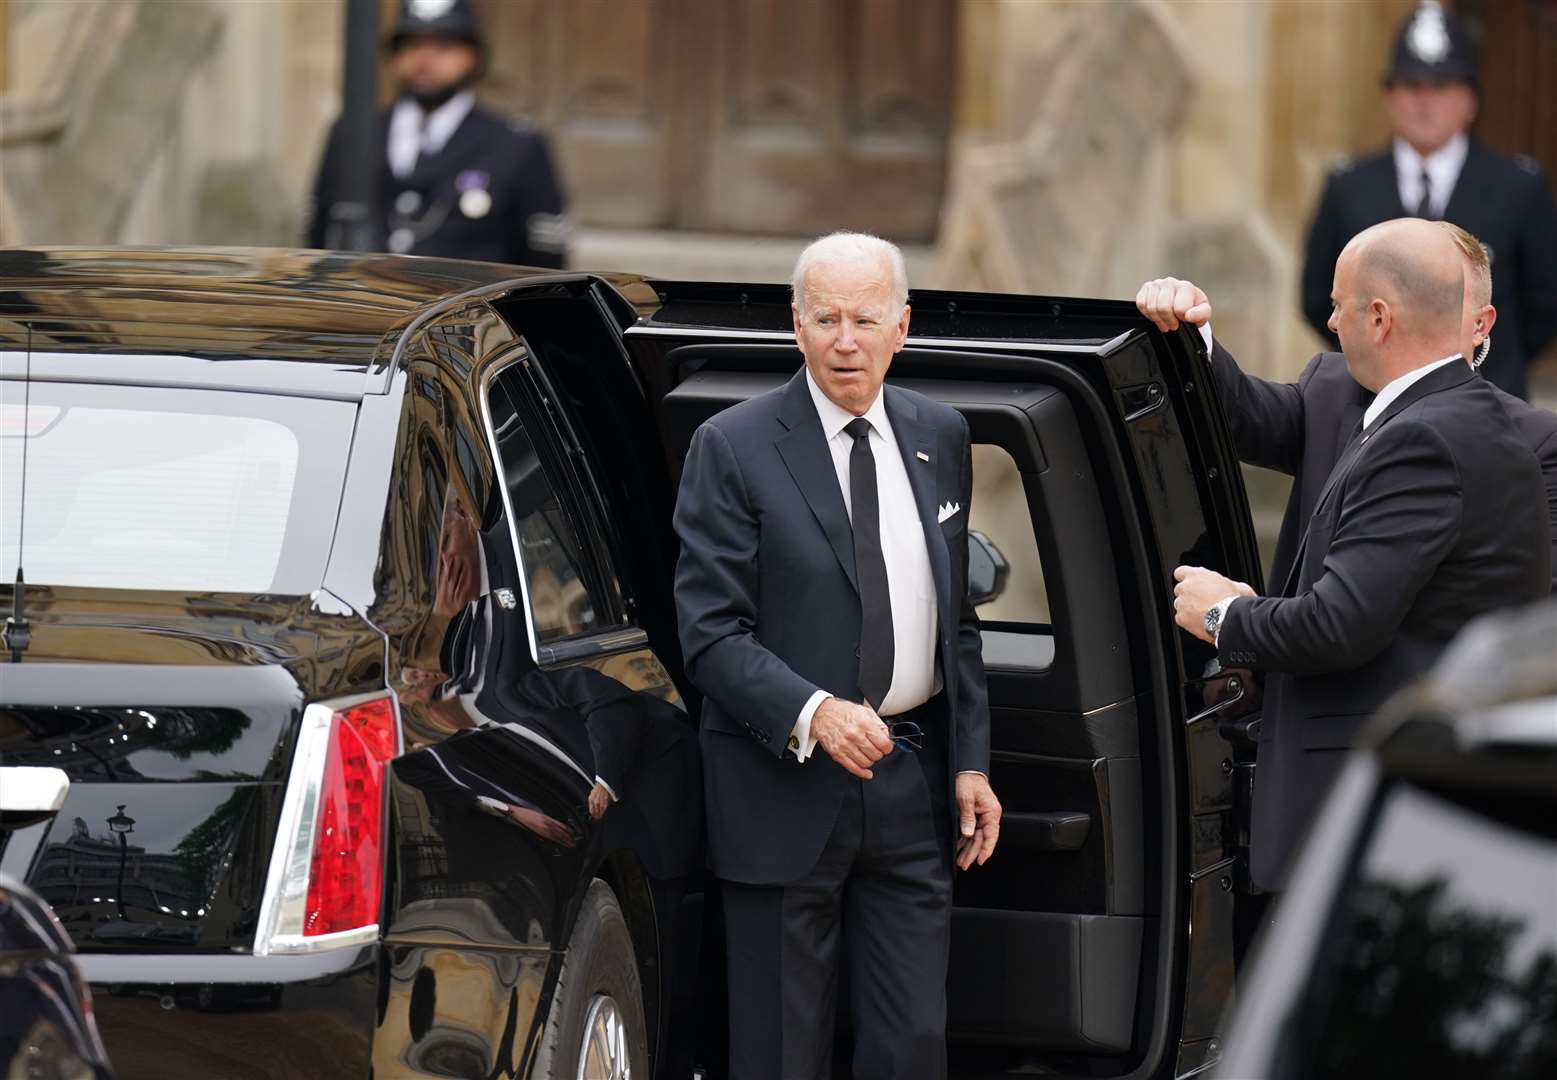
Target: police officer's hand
[
  {"x": 853, "y": 735},
  {"x": 1169, "y": 301}
]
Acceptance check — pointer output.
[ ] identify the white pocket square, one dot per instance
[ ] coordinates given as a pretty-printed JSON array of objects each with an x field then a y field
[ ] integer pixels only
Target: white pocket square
[{"x": 946, "y": 511}]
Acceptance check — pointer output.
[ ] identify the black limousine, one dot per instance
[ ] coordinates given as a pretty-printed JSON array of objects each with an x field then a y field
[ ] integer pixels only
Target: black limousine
[{"x": 348, "y": 618}]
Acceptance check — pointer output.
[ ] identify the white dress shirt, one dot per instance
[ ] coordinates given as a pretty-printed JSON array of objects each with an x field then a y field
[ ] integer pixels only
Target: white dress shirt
[
  {"x": 1443, "y": 167},
  {"x": 410, "y": 135},
  {"x": 909, "y": 585},
  {"x": 1395, "y": 387}
]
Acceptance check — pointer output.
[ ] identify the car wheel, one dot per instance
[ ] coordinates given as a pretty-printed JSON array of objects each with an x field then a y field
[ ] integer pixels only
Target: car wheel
[{"x": 596, "y": 1030}]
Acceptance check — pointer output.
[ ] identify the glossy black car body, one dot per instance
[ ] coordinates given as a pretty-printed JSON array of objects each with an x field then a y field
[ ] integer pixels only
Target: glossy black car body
[
  {"x": 1419, "y": 938},
  {"x": 496, "y": 553}
]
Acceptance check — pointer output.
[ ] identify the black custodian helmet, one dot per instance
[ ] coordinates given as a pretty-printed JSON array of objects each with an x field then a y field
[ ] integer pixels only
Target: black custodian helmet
[
  {"x": 1432, "y": 46},
  {"x": 454, "y": 19}
]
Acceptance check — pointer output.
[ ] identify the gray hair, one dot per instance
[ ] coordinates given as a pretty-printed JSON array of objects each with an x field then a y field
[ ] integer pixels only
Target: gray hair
[{"x": 850, "y": 247}]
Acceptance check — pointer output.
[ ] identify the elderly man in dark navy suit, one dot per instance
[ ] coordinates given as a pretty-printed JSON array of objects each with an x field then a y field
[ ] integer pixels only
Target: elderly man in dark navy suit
[
  {"x": 1433, "y": 512},
  {"x": 822, "y": 598}
]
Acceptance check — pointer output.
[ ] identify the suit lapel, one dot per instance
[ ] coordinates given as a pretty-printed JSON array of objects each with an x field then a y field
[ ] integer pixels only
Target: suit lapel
[
  {"x": 913, "y": 439},
  {"x": 803, "y": 447},
  {"x": 1447, "y": 377}
]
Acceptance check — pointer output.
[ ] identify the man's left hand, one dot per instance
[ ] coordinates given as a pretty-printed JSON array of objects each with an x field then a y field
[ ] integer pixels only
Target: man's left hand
[
  {"x": 978, "y": 812},
  {"x": 1197, "y": 589}
]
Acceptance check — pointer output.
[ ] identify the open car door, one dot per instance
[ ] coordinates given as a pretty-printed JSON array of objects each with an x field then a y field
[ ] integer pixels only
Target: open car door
[{"x": 1098, "y": 939}]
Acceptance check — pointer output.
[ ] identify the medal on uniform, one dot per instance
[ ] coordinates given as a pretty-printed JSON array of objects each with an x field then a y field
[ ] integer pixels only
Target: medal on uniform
[{"x": 475, "y": 199}]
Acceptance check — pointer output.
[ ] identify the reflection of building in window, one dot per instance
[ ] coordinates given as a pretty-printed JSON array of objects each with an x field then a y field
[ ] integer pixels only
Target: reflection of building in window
[{"x": 1000, "y": 512}]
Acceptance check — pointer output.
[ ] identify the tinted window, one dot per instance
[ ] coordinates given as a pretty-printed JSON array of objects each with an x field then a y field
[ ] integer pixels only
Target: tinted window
[
  {"x": 551, "y": 557},
  {"x": 1443, "y": 957},
  {"x": 190, "y": 490}
]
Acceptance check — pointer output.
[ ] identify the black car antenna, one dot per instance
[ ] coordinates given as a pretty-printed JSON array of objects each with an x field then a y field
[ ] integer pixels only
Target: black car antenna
[{"x": 18, "y": 630}]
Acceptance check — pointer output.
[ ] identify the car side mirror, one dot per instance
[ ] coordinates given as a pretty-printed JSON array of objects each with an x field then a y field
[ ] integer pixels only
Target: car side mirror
[{"x": 987, "y": 569}]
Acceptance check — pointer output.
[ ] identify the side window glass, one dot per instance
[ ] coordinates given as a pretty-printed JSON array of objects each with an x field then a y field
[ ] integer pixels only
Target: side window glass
[
  {"x": 549, "y": 548},
  {"x": 1001, "y": 516}
]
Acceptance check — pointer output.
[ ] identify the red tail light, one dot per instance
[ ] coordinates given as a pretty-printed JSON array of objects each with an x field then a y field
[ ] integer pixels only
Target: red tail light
[
  {"x": 345, "y": 876},
  {"x": 326, "y": 878}
]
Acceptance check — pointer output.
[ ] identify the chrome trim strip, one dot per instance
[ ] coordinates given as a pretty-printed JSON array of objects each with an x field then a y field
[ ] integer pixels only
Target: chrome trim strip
[
  {"x": 786, "y": 337},
  {"x": 33, "y": 789},
  {"x": 502, "y": 487},
  {"x": 595, "y": 646},
  {"x": 215, "y": 968}
]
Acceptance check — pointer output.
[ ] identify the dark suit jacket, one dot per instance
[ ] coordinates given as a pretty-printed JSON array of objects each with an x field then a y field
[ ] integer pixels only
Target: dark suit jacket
[
  {"x": 769, "y": 613},
  {"x": 1432, "y": 518},
  {"x": 1505, "y": 202},
  {"x": 1299, "y": 429},
  {"x": 511, "y": 161}
]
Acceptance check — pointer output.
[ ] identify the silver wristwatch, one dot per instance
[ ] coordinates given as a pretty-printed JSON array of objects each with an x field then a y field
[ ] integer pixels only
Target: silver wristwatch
[{"x": 1214, "y": 616}]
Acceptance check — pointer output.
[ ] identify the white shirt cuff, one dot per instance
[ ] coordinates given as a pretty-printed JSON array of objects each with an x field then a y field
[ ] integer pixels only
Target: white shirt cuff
[
  {"x": 1205, "y": 335},
  {"x": 800, "y": 740},
  {"x": 611, "y": 791}
]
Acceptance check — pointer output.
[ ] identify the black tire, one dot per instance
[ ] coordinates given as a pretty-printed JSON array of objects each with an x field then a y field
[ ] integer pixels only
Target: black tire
[{"x": 600, "y": 970}]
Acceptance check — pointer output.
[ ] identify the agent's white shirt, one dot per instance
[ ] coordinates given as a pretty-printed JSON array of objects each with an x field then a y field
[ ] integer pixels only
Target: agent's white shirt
[
  {"x": 1443, "y": 167},
  {"x": 909, "y": 585},
  {"x": 1395, "y": 387},
  {"x": 413, "y": 132}
]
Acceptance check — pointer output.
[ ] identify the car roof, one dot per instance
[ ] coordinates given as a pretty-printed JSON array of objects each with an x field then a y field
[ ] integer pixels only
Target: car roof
[{"x": 307, "y": 322}]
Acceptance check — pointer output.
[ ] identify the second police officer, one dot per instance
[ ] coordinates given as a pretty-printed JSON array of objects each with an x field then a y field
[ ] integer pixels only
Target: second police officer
[
  {"x": 1433, "y": 169},
  {"x": 455, "y": 180}
]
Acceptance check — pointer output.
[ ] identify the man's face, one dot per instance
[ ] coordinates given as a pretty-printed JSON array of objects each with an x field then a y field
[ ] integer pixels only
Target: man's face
[
  {"x": 1348, "y": 317},
  {"x": 849, "y": 328},
  {"x": 1429, "y": 114},
  {"x": 427, "y": 65}
]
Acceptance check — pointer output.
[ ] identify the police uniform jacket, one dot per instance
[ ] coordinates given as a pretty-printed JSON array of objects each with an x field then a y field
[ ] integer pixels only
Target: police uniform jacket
[
  {"x": 1504, "y": 202},
  {"x": 490, "y": 194}
]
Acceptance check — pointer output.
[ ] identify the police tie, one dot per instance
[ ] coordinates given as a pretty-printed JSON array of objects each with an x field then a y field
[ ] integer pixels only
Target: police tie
[
  {"x": 1424, "y": 208},
  {"x": 876, "y": 644}
]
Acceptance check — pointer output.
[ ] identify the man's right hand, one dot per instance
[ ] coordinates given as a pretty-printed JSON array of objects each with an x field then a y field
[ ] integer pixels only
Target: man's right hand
[
  {"x": 853, "y": 735},
  {"x": 1169, "y": 301}
]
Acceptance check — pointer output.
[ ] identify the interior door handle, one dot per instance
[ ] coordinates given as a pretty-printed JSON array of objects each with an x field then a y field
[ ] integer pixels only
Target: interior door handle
[{"x": 1049, "y": 830}]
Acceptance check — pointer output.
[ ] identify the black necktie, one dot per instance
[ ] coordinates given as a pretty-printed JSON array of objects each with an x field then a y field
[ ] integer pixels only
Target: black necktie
[
  {"x": 1424, "y": 209},
  {"x": 876, "y": 647}
]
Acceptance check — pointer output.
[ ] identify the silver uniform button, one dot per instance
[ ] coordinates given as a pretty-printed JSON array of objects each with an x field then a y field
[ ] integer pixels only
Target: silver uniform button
[
  {"x": 401, "y": 241},
  {"x": 475, "y": 203},
  {"x": 408, "y": 203}
]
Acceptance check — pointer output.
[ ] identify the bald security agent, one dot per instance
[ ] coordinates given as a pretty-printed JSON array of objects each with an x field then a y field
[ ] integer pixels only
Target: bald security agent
[
  {"x": 1432, "y": 515},
  {"x": 1433, "y": 169}
]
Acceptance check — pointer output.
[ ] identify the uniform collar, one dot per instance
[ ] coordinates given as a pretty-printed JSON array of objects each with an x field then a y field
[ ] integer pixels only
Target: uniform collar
[
  {"x": 835, "y": 418},
  {"x": 1443, "y": 166},
  {"x": 436, "y": 128}
]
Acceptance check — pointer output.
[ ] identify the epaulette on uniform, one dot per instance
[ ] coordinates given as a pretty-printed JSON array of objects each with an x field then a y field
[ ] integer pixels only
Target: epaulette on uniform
[
  {"x": 520, "y": 126},
  {"x": 1341, "y": 164},
  {"x": 1527, "y": 163}
]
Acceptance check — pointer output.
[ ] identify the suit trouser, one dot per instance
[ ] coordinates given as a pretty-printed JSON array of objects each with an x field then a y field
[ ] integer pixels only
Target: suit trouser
[{"x": 878, "y": 901}]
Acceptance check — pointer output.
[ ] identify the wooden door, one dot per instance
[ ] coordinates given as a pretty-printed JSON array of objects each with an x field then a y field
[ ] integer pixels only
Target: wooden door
[{"x": 761, "y": 116}]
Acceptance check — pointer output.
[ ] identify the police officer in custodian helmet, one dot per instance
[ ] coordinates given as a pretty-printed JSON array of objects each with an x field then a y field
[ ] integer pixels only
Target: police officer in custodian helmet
[
  {"x": 455, "y": 180},
  {"x": 1432, "y": 169}
]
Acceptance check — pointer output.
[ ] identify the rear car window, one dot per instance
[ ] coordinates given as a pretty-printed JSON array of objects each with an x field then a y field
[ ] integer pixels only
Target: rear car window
[
  {"x": 133, "y": 487},
  {"x": 1442, "y": 960}
]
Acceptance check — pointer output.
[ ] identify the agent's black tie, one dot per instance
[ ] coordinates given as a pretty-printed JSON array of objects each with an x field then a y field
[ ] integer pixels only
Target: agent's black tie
[
  {"x": 876, "y": 644},
  {"x": 1424, "y": 208}
]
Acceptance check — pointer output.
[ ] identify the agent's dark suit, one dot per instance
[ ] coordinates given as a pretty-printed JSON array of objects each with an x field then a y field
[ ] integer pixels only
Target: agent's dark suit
[
  {"x": 1430, "y": 518},
  {"x": 1504, "y": 202},
  {"x": 769, "y": 613},
  {"x": 1300, "y": 428},
  {"x": 520, "y": 223}
]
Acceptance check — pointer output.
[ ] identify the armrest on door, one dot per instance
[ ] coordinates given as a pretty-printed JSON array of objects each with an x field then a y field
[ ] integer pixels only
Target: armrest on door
[{"x": 1050, "y": 830}]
